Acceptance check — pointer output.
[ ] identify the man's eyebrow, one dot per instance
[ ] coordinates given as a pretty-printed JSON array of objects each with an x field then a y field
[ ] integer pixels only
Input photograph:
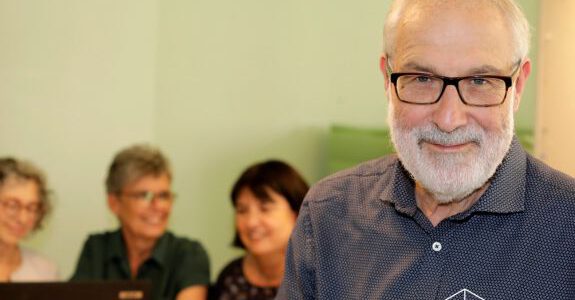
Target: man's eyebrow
[
  {"x": 415, "y": 67},
  {"x": 480, "y": 70},
  {"x": 485, "y": 69}
]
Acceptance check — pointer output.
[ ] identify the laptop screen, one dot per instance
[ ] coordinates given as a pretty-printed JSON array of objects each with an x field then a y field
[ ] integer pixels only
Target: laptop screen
[{"x": 84, "y": 290}]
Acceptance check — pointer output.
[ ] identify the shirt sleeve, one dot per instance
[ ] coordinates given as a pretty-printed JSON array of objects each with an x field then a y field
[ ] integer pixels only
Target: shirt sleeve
[
  {"x": 193, "y": 265},
  {"x": 299, "y": 277},
  {"x": 84, "y": 267}
]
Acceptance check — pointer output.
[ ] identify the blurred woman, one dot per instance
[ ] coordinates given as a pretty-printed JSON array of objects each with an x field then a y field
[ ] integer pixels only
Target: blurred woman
[
  {"x": 24, "y": 204},
  {"x": 266, "y": 198},
  {"x": 139, "y": 186}
]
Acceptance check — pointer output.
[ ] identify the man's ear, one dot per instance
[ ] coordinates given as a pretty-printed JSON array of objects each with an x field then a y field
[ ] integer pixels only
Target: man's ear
[
  {"x": 524, "y": 71},
  {"x": 113, "y": 203},
  {"x": 383, "y": 67}
]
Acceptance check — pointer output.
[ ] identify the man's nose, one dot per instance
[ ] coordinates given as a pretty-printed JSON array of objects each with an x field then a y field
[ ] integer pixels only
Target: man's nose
[{"x": 450, "y": 112}]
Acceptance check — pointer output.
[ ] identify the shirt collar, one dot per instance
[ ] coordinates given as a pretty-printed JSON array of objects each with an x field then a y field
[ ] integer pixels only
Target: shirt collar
[
  {"x": 161, "y": 249},
  {"x": 504, "y": 195},
  {"x": 400, "y": 190},
  {"x": 118, "y": 248}
]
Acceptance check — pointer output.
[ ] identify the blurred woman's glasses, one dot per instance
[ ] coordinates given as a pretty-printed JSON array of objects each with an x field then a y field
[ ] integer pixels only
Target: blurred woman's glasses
[
  {"x": 148, "y": 196},
  {"x": 14, "y": 207}
]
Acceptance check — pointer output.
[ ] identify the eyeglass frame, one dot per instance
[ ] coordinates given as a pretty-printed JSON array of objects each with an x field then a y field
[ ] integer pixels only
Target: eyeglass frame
[
  {"x": 508, "y": 80},
  {"x": 14, "y": 207},
  {"x": 149, "y": 196}
]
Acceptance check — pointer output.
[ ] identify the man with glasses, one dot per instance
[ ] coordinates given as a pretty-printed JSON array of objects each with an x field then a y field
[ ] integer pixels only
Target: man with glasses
[
  {"x": 139, "y": 194},
  {"x": 462, "y": 211}
]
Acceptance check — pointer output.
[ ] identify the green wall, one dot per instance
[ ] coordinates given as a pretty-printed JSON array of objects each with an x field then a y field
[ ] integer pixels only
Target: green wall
[
  {"x": 77, "y": 82},
  {"x": 243, "y": 81},
  {"x": 217, "y": 84},
  {"x": 525, "y": 118}
]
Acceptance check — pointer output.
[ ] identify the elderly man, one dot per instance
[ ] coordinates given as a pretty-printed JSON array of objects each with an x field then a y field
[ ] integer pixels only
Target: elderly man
[
  {"x": 462, "y": 212},
  {"x": 140, "y": 195}
]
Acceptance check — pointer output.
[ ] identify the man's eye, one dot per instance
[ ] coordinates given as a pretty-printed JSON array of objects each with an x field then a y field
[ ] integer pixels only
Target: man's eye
[
  {"x": 422, "y": 79},
  {"x": 478, "y": 81}
]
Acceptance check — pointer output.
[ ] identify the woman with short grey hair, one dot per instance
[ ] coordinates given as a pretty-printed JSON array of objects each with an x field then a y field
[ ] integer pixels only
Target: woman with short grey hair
[{"x": 140, "y": 195}]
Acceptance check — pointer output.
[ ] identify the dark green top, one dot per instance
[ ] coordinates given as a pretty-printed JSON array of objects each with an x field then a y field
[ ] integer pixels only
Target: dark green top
[{"x": 175, "y": 263}]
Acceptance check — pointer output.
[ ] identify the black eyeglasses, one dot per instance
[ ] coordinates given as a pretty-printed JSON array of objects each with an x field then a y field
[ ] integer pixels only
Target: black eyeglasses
[{"x": 477, "y": 90}]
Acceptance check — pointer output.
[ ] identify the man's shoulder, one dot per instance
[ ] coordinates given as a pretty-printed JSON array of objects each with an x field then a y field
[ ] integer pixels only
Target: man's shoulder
[
  {"x": 548, "y": 184},
  {"x": 548, "y": 178},
  {"x": 367, "y": 177},
  {"x": 374, "y": 167}
]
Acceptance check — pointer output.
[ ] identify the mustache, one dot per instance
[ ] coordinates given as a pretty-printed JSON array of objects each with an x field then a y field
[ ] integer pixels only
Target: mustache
[{"x": 432, "y": 134}]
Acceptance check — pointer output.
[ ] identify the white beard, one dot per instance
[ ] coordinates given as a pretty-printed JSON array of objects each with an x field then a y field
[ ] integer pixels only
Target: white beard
[{"x": 451, "y": 177}]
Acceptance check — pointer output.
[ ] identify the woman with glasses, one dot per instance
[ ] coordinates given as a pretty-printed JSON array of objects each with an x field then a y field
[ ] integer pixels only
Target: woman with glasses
[
  {"x": 266, "y": 199},
  {"x": 139, "y": 194},
  {"x": 24, "y": 204}
]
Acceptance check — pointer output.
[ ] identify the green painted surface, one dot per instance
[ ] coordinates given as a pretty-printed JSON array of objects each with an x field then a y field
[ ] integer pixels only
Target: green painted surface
[{"x": 217, "y": 84}]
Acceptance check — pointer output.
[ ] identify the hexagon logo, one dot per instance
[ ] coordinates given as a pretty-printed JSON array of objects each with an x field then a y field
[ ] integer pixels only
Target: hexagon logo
[{"x": 464, "y": 294}]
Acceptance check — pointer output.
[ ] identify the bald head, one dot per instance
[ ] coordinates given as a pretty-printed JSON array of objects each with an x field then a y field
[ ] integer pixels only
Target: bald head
[{"x": 404, "y": 12}]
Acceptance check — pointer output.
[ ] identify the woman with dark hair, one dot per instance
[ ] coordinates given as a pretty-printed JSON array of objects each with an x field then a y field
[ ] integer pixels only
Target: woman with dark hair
[
  {"x": 266, "y": 199},
  {"x": 24, "y": 202}
]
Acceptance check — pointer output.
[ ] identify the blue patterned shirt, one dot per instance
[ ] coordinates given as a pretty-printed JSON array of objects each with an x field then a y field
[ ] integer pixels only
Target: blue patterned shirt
[{"x": 360, "y": 235}]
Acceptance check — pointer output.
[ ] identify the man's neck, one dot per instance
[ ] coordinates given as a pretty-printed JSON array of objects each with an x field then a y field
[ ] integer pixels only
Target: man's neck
[{"x": 436, "y": 211}]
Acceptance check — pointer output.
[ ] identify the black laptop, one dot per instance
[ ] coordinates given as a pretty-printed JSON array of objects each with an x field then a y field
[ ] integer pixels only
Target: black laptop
[{"x": 81, "y": 290}]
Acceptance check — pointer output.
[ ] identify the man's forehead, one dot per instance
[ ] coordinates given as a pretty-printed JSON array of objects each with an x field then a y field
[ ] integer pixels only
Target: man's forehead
[
  {"x": 474, "y": 69},
  {"x": 454, "y": 40}
]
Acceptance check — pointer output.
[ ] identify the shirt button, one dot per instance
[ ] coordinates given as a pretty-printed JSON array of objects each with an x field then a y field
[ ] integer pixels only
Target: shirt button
[{"x": 436, "y": 246}]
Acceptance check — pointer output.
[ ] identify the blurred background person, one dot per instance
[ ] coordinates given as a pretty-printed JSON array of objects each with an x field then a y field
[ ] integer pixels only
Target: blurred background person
[
  {"x": 24, "y": 204},
  {"x": 266, "y": 199},
  {"x": 139, "y": 194}
]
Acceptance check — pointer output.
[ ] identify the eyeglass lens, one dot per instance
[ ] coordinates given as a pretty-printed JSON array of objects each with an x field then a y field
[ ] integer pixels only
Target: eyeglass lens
[
  {"x": 13, "y": 207},
  {"x": 427, "y": 89}
]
